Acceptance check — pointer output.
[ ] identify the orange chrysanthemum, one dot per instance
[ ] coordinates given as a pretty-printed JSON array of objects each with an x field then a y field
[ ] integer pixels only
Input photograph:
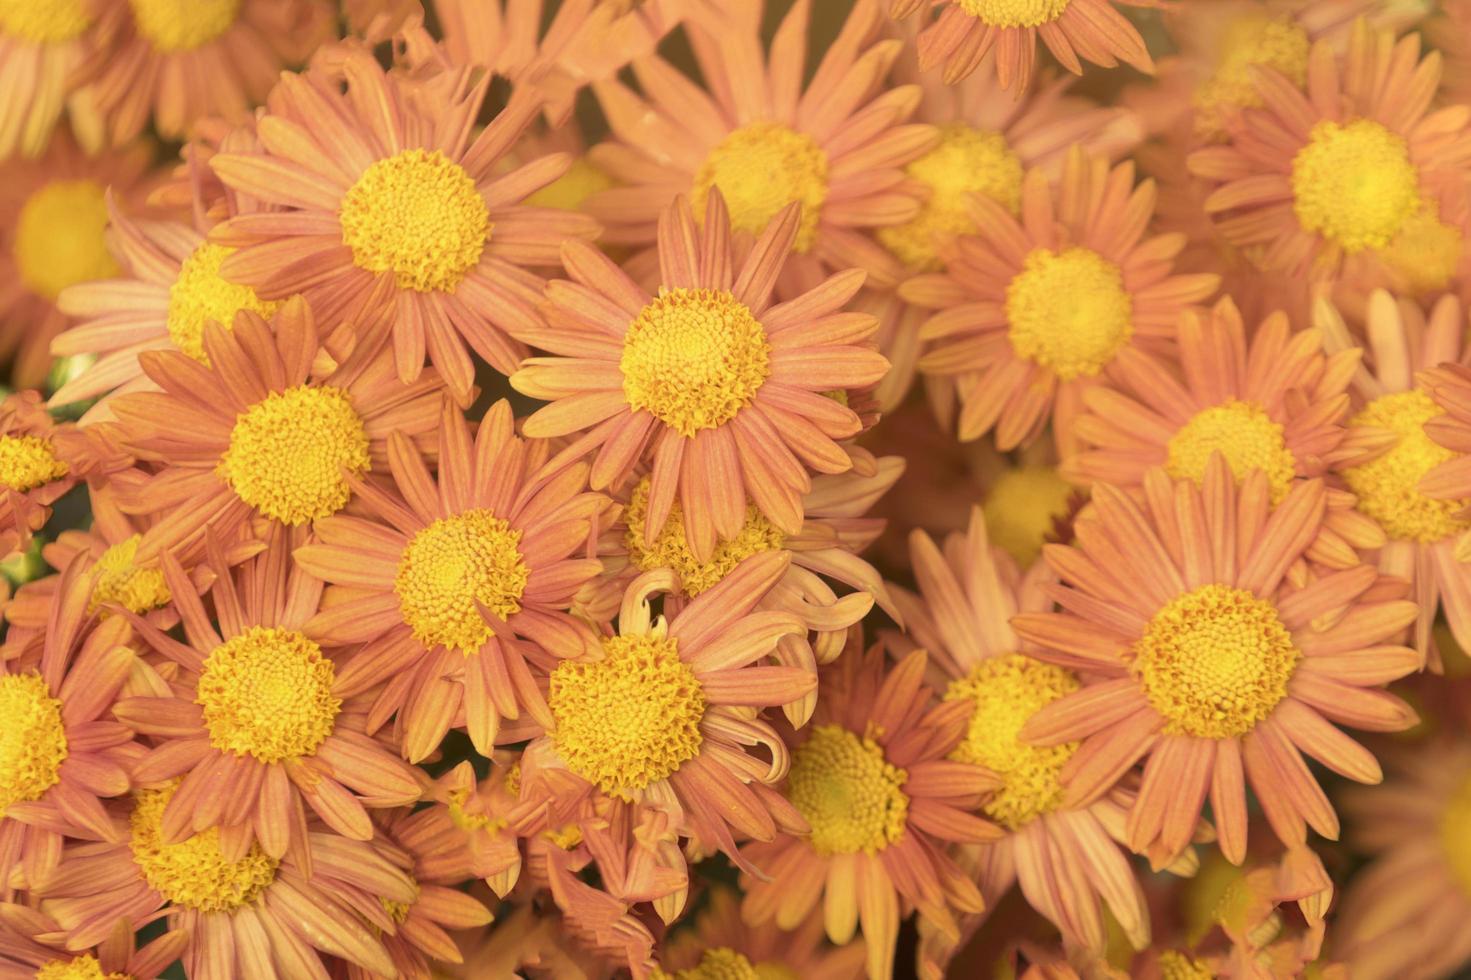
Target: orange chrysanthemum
[
  {"x": 43, "y": 45},
  {"x": 32, "y": 945}
]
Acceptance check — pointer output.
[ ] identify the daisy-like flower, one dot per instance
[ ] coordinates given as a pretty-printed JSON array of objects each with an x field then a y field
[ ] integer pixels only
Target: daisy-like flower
[
  {"x": 872, "y": 777},
  {"x": 1354, "y": 164},
  {"x": 1200, "y": 653},
  {"x": 716, "y": 388},
  {"x": 40, "y": 460},
  {"x": 1032, "y": 311},
  {"x": 476, "y": 826},
  {"x": 252, "y": 718},
  {"x": 52, "y": 214},
  {"x": 662, "y": 714},
  {"x": 721, "y": 944},
  {"x": 43, "y": 45},
  {"x": 31, "y": 946},
  {"x": 388, "y": 199},
  {"x": 255, "y": 433},
  {"x": 452, "y": 583},
  {"x": 835, "y": 147},
  {"x": 174, "y": 63},
  {"x": 965, "y": 31},
  {"x": 1388, "y": 453},
  {"x": 245, "y": 913},
  {"x": 58, "y": 753},
  {"x": 1402, "y": 915},
  {"x": 1067, "y": 861}
]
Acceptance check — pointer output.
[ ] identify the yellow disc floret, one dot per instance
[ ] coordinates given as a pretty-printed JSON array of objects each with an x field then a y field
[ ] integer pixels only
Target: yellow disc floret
[
  {"x": 32, "y": 739},
  {"x": 418, "y": 215},
  {"x": 1023, "y": 507},
  {"x": 1426, "y": 253},
  {"x": 1251, "y": 42},
  {"x": 1178, "y": 966},
  {"x": 967, "y": 161},
  {"x": 1455, "y": 834},
  {"x": 1068, "y": 311},
  {"x": 451, "y": 565},
  {"x": 1007, "y": 691},
  {"x": 288, "y": 453},
  {"x": 630, "y": 719},
  {"x": 81, "y": 968},
  {"x": 719, "y": 963},
  {"x": 1387, "y": 484},
  {"x": 183, "y": 25},
  {"x": 693, "y": 358},
  {"x": 267, "y": 693},
  {"x": 1215, "y": 661},
  {"x": 1244, "y": 435},
  {"x": 58, "y": 237},
  {"x": 848, "y": 792},
  {"x": 581, "y": 181},
  {"x": 671, "y": 550},
  {"x": 760, "y": 169},
  {"x": 44, "y": 21},
  {"x": 194, "y": 873},
  {"x": 27, "y": 462},
  {"x": 1015, "y": 13},
  {"x": 1354, "y": 184},
  {"x": 121, "y": 581},
  {"x": 199, "y": 296}
]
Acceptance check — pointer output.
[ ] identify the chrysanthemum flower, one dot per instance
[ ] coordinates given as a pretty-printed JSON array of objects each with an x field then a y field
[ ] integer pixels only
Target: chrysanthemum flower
[
  {"x": 1388, "y": 453},
  {"x": 31, "y": 945},
  {"x": 1403, "y": 915},
  {"x": 1200, "y": 654},
  {"x": 174, "y": 63},
  {"x": 1027, "y": 506},
  {"x": 718, "y": 389},
  {"x": 662, "y": 715},
  {"x": 386, "y": 193},
  {"x": 1355, "y": 164},
  {"x": 42, "y": 47},
  {"x": 40, "y": 460},
  {"x": 720, "y": 943},
  {"x": 965, "y": 31},
  {"x": 835, "y": 147},
  {"x": 258, "y": 433},
  {"x": 52, "y": 214},
  {"x": 58, "y": 752},
  {"x": 245, "y": 913},
  {"x": 1032, "y": 311},
  {"x": 452, "y": 583},
  {"x": 476, "y": 825},
  {"x": 253, "y": 719},
  {"x": 872, "y": 777}
]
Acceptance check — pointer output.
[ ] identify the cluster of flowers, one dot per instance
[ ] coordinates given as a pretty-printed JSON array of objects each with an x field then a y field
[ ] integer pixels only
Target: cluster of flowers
[{"x": 434, "y": 504}]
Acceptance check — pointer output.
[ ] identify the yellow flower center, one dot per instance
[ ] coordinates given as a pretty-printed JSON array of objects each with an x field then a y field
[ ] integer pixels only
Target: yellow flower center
[
  {"x": 1015, "y": 13},
  {"x": 1455, "y": 834},
  {"x": 1007, "y": 691},
  {"x": 288, "y": 452},
  {"x": 693, "y": 358},
  {"x": 671, "y": 550},
  {"x": 1068, "y": 311},
  {"x": 418, "y": 215},
  {"x": 719, "y": 963},
  {"x": 194, "y": 873},
  {"x": 1354, "y": 184},
  {"x": 760, "y": 169},
  {"x": 1249, "y": 43},
  {"x": 1387, "y": 484},
  {"x": 26, "y": 462},
  {"x": 1022, "y": 507},
  {"x": 581, "y": 181},
  {"x": 630, "y": 719},
  {"x": 199, "y": 296},
  {"x": 967, "y": 161},
  {"x": 1426, "y": 253},
  {"x": 32, "y": 739},
  {"x": 267, "y": 692},
  {"x": 849, "y": 794},
  {"x": 466, "y": 820},
  {"x": 126, "y": 584},
  {"x": 58, "y": 237},
  {"x": 1215, "y": 661},
  {"x": 450, "y": 566},
  {"x": 183, "y": 25},
  {"x": 1242, "y": 433},
  {"x": 81, "y": 968},
  {"x": 44, "y": 21},
  {"x": 399, "y": 911},
  {"x": 1178, "y": 966}
]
